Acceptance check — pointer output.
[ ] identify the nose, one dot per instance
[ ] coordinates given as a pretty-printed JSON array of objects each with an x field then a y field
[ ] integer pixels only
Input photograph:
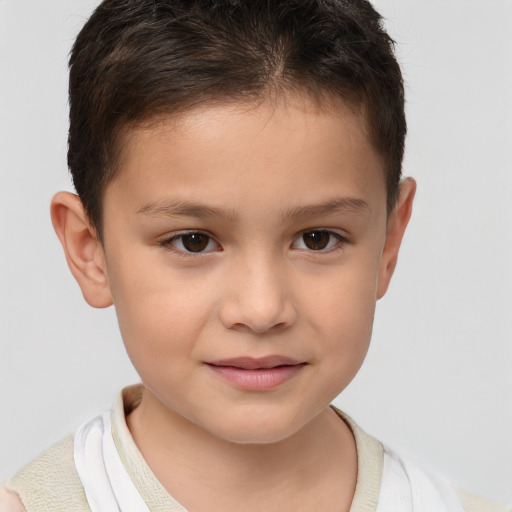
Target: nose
[{"x": 258, "y": 298}]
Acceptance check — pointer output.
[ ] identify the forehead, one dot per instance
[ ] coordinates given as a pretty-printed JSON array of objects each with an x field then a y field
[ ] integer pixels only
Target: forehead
[{"x": 290, "y": 149}]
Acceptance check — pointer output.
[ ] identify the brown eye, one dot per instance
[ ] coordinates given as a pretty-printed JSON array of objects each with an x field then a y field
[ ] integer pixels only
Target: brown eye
[
  {"x": 316, "y": 240},
  {"x": 191, "y": 243},
  {"x": 195, "y": 242}
]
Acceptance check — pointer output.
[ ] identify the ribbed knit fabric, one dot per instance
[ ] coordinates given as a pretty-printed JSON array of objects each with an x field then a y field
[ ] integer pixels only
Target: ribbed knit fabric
[
  {"x": 149, "y": 487},
  {"x": 50, "y": 482},
  {"x": 369, "y": 468}
]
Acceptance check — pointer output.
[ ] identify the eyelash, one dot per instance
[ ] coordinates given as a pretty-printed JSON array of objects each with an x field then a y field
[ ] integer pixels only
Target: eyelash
[
  {"x": 339, "y": 243},
  {"x": 168, "y": 243}
]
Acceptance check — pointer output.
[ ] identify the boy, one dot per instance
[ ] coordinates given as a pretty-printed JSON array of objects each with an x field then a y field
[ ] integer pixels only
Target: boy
[{"x": 238, "y": 168}]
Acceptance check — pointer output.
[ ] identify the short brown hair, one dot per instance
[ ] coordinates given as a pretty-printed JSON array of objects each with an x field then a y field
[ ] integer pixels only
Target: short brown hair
[{"x": 136, "y": 59}]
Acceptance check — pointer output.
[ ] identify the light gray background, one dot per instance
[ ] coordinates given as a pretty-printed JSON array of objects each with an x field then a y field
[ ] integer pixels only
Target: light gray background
[{"x": 437, "y": 383}]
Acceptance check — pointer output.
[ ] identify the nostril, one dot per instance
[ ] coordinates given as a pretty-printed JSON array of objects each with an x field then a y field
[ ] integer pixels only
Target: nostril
[
  {"x": 279, "y": 326},
  {"x": 242, "y": 327}
]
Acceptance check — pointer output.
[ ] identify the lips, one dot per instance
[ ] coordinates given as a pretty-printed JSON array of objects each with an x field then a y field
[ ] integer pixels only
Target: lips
[
  {"x": 250, "y": 363},
  {"x": 257, "y": 374}
]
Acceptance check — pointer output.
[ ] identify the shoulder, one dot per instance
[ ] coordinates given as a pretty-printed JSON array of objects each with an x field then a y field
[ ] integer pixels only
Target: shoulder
[
  {"x": 10, "y": 502},
  {"x": 430, "y": 489},
  {"x": 386, "y": 481},
  {"x": 474, "y": 503},
  {"x": 50, "y": 482}
]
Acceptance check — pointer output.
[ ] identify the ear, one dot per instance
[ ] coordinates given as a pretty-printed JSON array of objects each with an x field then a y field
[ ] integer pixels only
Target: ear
[
  {"x": 84, "y": 252},
  {"x": 397, "y": 222}
]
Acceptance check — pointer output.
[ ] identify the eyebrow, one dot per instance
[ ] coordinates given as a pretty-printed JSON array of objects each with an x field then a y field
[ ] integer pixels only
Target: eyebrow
[
  {"x": 176, "y": 208},
  {"x": 184, "y": 208},
  {"x": 333, "y": 206}
]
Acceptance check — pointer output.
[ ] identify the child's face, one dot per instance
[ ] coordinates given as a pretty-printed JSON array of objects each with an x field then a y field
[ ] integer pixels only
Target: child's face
[{"x": 247, "y": 232}]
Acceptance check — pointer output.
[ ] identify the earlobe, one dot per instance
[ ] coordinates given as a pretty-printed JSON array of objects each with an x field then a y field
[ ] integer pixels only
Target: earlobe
[
  {"x": 397, "y": 222},
  {"x": 84, "y": 253}
]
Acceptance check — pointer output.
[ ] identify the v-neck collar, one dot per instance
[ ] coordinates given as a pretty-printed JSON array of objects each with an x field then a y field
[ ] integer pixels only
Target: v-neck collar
[{"x": 369, "y": 460}]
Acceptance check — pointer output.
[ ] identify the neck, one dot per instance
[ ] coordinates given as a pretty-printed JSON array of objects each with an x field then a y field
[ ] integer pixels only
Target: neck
[{"x": 319, "y": 460}]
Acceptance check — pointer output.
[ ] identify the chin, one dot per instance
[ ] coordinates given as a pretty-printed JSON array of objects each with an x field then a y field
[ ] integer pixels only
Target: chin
[{"x": 255, "y": 429}]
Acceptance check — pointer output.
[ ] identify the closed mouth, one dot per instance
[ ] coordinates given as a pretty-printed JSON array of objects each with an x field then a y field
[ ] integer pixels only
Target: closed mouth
[
  {"x": 256, "y": 374},
  {"x": 261, "y": 363}
]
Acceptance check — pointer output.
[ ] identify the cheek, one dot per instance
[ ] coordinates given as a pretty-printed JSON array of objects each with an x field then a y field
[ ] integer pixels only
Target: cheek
[
  {"x": 348, "y": 298},
  {"x": 160, "y": 312},
  {"x": 342, "y": 314}
]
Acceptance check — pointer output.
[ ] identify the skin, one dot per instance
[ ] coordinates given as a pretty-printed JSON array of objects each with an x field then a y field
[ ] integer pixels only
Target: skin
[
  {"x": 10, "y": 502},
  {"x": 259, "y": 177}
]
